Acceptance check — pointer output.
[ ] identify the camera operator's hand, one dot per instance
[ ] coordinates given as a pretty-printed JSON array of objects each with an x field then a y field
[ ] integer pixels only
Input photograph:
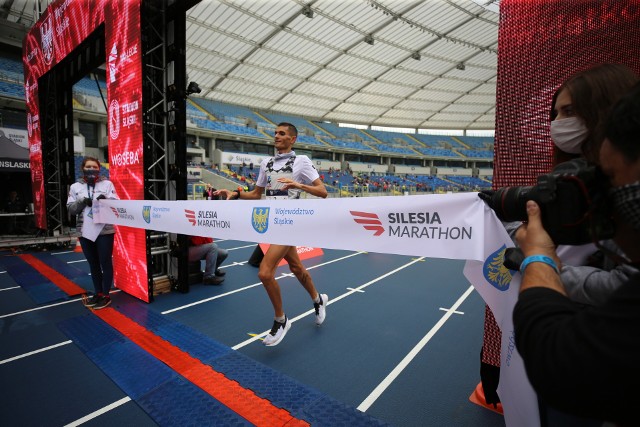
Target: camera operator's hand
[
  {"x": 532, "y": 238},
  {"x": 487, "y": 197},
  {"x": 88, "y": 202}
]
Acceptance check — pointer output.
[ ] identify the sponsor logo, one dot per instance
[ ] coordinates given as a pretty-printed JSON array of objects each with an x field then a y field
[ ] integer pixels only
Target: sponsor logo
[
  {"x": 412, "y": 225},
  {"x": 369, "y": 221},
  {"x": 146, "y": 214},
  {"x": 121, "y": 213},
  {"x": 114, "y": 119},
  {"x": 510, "y": 348},
  {"x": 260, "y": 219},
  {"x": 46, "y": 40},
  {"x": 28, "y": 89},
  {"x": 283, "y": 216},
  {"x": 156, "y": 213},
  {"x": 32, "y": 54},
  {"x": 127, "y": 54},
  {"x": 495, "y": 272},
  {"x": 126, "y": 158},
  {"x": 113, "y": 56},
  {"x": 59, "y": 11},
  {"x": 63, "y": 21},
  {"x": 206, "y": 219},
  {"x": 191, "y": 216},
  {"x": 14, "y": 164},
  {"x": 34, "y": 148},
  {"x": 32, "y": 124},
  {"x": 129, "y": 115}
]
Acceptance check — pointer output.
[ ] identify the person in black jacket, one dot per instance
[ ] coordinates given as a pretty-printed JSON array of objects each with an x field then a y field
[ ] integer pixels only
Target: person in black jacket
[{"x": 586, "y": 361}]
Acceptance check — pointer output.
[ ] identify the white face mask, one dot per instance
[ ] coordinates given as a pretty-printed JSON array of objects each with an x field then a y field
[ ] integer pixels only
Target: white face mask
[{"x": 569, "y": 134}]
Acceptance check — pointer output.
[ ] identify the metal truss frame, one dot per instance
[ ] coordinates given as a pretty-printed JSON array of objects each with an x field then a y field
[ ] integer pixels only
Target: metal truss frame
[{"x": 163, "y": 28}]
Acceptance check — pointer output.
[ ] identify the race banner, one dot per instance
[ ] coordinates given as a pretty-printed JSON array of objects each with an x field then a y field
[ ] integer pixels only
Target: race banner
[
  {"x": 438, "y": 226},
  {"x": 499, "y": 288}
]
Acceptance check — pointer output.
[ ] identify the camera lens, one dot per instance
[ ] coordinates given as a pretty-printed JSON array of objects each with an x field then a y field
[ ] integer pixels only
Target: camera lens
[{"x": 510, "y": 203}]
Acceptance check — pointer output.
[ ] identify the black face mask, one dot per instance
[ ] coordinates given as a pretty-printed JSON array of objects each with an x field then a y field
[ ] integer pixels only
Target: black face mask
[
  {"x": 91, "y": 175},
  {"x": 626, "y": 201}
]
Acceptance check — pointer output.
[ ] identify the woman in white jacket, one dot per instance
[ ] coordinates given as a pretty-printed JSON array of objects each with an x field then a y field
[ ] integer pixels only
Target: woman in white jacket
[{"x": 96, "y": 239}]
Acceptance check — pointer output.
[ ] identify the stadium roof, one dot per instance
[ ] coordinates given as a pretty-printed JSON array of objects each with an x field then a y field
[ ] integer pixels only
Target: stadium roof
[{"x": 398, "y": 63}]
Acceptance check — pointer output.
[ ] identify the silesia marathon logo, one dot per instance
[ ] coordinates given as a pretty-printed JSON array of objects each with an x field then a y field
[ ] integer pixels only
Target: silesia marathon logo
[
  {"x": 369, "y": 221},
  {"x": 191, "y": 216}
]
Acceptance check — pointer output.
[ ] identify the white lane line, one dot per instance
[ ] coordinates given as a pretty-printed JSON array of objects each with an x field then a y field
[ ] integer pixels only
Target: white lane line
[
  {"x": 242, "y": 247},
  {"x": 8, "y": 289},
  {"x": 233, "y": 264},
  {"x": 99, "y": 412},
  {"x": 73, "y": 262},
  {"x": 377, "y": 392},
  {"x": 455, "y": 312},
  {"x": 182, "y": 307},
  {"x": 2, "y": 272},
  {"x": 355, "y": 290},
  {"x": 47, "y": 306},
  {"x": 202, "y": 301},
  {"x": 31, "y": 353},
  {"x": 334, "y": 300},
  {"x": 61, "y": 253}
]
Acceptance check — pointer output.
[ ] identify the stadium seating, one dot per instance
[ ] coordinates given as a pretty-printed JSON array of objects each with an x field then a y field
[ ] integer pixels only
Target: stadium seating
[{"x": 242, "y": 121}]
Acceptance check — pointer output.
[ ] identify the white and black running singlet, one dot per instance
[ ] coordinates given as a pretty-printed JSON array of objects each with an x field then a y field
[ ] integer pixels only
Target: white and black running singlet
[{"x": 274, "y": 188}]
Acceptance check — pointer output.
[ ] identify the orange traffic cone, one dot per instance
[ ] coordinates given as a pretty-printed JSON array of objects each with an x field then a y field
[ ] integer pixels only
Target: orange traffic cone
[
  {"x": 78, "y": 247},
  {"x": 478, "y": 398}
]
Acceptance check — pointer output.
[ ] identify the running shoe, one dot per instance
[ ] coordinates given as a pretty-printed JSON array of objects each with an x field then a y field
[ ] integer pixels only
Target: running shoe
[
  {"x": 321, "y": 309},
  {"x": 277, "y": 333}
]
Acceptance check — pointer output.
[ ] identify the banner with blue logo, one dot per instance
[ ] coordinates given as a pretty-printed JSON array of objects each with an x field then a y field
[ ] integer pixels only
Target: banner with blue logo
[
  {"x": 499, "y": 288},
  {"x": 437, "y": 225}
]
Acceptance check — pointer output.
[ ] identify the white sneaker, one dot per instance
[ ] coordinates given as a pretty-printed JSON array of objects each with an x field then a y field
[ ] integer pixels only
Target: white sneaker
[
  {"x": 277, "y": 333},
  {"x": 321, "y": 309}
]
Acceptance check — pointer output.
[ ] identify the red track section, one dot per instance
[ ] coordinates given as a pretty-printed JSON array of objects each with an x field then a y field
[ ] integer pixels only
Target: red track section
[
  {"x": 58, "y": 279},
  {"x": 244, "y": 402}
]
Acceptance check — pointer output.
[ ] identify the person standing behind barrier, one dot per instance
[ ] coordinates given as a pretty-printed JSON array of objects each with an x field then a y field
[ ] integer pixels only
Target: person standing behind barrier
[
  {"x": 579, "y": 115},
  {"x": 581, "y": 106},
  {"x": 96, "y": 239},
  {"x": 285, "y": 176},
  {"x": 207, "y": 192}
]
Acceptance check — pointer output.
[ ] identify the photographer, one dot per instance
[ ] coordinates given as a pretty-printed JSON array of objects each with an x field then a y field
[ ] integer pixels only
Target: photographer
[
  {"x": 578, "y": 118},
  {"x": 584, "y": 361},
  {"x": 578, "y": 114}
]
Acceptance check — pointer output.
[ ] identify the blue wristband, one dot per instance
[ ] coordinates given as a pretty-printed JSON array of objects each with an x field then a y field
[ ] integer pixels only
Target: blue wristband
[{"x": 538, "y": 258}]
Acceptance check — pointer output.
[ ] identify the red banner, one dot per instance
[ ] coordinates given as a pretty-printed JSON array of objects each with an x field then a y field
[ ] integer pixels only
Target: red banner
[
  {"x": 124, "y": 90},
  {"x": 64, "y": 25}
]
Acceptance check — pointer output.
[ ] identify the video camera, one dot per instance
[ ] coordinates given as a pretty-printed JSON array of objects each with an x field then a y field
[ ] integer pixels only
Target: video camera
[{"x": 573, "y": 200}]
